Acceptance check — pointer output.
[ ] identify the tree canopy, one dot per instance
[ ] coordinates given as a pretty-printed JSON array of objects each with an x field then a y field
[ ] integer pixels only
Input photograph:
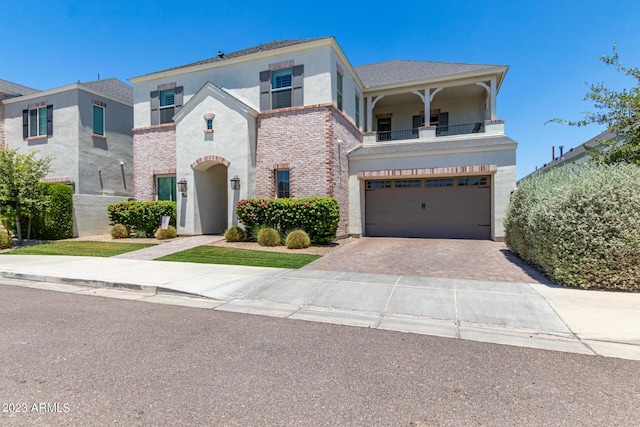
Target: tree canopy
[
  {"x": 20, "y": 193},
  {"x": 619, "y": 111}
]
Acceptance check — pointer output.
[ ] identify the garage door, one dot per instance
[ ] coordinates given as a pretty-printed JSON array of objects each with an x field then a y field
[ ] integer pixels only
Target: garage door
[{"x": 457, "y": 207}]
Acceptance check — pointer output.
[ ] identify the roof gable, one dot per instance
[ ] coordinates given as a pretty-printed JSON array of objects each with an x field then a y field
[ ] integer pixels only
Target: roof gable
[
  {"x": 112, "y": 87},
  {"x": 10, "y": 90},
  {"x": 209, "y": 89}
]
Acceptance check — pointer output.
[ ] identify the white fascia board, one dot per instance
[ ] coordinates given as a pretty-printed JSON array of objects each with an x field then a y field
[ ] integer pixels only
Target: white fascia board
[
  {"x": 441, "y": 81},
  {"x": 56, "y": 91}
]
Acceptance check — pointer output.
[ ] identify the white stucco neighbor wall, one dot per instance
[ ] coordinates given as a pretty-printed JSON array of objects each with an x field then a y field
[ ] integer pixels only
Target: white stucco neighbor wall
[
  {"x": 503, "y": 181},
  {"x": 233, "y": 139},
  {"x": 242, "y": 81},
  {"x": 62, "y": 146}
]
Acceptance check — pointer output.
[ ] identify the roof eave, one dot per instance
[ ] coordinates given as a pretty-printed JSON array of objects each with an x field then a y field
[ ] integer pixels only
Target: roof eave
[
  {"x": 446, "y": 79},
  {"x": 327, "y": 41}
]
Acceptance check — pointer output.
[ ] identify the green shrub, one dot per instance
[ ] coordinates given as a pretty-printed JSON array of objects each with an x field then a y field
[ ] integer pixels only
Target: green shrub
[
  {"x": 234, "y": 234},
  {"x": 268, "y": 236},
  {"x": 298, "y": 239},
  {"x": 142, "y": 217},
  {"x": 581, "y": 227},
  {"x": 119, "y": 231},
  {"x": 5, "y": 238},
  {"x": 55, "y": 221},
  {"x": 169, "y": 233},
  {"x": 318, "y": 216}
]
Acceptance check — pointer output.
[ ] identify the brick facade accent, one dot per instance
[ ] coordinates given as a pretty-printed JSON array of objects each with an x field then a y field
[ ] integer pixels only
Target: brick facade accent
[
  {"x": 313, "y": 143},
  {"x": 210, "y": 158},
  {"x": 154, "y": 152},
  {"x": 454, "y": 170}
]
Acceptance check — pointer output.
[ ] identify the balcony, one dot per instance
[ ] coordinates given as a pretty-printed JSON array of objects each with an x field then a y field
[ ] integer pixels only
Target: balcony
[{"x": 431, "y": 133}]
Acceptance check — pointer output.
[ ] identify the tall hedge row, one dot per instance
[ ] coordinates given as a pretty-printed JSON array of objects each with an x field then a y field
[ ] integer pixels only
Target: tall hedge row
[
  {"x": 580, "y": 226},
  {"x": 145, "y": 216},
  {"x": 55, "y": 221},
  {"x": 318, "y": 216}
]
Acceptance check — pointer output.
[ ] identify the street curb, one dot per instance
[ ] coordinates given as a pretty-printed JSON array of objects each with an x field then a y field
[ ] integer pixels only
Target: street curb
[{"x": 80, "y": 282}]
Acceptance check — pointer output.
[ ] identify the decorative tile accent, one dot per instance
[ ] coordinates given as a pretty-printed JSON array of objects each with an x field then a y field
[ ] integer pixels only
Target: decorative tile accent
[
  {"x": 167, "y": 86},
  {"x": 454, "y": 170},
  {"x": 99, "y": 103},
  {"x": 36, "y": 105},
  {"x": 281, "y": 65},
  {"x": 210, "y": 158},
  {"x": 63, "y": 179},
  {"x": 384, "y": 116},
  {"x": 209, "y": 116}
]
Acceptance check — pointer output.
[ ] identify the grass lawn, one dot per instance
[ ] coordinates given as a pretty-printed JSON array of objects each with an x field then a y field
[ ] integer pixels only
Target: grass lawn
[
  {"x": 218, "y": 255},
  {"x": 99, "y": 249}
]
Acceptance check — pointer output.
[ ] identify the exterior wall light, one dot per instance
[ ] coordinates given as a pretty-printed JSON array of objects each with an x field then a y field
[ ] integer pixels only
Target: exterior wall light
[
  {"x": 235, "y": 183},
  {"x": 182, "y": 187}
]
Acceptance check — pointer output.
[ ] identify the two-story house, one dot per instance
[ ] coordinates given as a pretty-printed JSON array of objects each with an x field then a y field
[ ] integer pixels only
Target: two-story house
[
  {"x": 86, "y": 128},
  {"x": 407, "y": 148}
]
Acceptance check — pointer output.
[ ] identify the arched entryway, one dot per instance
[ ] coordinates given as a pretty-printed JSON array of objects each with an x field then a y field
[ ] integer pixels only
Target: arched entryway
[{"x": 210, "y": 179}]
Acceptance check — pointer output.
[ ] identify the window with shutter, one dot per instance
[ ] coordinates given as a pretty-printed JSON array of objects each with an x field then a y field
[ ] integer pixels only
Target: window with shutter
[
  {"x": 165, "y": 104},
  {"x": 98, "y": 120},
  {"x": 281, "y": 88},
  {"x": 37, "y": 121}
]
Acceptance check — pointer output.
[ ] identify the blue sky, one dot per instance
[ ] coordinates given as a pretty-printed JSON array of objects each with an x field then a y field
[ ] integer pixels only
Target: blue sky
[{"x": 551, "y": 47}]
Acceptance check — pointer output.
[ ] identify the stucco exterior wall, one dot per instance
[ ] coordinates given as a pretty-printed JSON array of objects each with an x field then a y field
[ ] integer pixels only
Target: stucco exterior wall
[
  {"x": 62, "y": 146},
  {"x": 243, "y": 80},
  {"x": 345, "y": 138},
  {"x": 232, "y": 141},
  {"x": 105, "y": 164},
  {"x": 154, "y": 153},
  {"x": 90, "y": 213}
]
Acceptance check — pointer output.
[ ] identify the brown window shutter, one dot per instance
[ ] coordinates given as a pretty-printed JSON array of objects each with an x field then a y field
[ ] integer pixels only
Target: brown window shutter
[
  {"x": 49, "y": 120},
  {"x": 265, "y": 90},
  {"x": 177, "y": 100},
  {"x": 25, "y": 124},
  {"x": 298, "y": 76},
  {"x": 155, "y": 107}
]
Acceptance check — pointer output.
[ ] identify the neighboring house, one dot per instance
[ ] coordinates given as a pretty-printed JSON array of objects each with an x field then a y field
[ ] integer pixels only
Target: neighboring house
[
  {"x": 573, "y": 156},
  {"x": 86, "y": 129},
  {"x": 294, "y": 119}
]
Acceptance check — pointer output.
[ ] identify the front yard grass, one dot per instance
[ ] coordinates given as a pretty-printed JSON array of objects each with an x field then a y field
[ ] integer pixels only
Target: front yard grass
[
  {"x": 230, "y": 256},
  {"x": 82, "y": 248}
]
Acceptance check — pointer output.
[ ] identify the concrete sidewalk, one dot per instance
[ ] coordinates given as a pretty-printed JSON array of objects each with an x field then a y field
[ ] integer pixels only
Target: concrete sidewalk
[{"x": 528, "y": 315}]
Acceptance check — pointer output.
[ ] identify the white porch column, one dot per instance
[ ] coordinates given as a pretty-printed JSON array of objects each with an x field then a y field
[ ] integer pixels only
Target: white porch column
[
  {"x": 493, "y": 98},
  {"x": 371, "y": 102}
]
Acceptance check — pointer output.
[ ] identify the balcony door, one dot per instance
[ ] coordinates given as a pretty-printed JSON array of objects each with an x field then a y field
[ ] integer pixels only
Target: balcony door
[{"x": 384, "y": 129}]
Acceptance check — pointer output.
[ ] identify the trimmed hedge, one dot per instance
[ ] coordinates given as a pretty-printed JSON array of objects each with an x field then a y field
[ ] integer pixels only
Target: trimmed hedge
[
  {"x": 318, "y": 216},
  {"x": 56, "y": 220},
  {"x": 143, "y": 217},
  {"x": 581, "y": 227}
]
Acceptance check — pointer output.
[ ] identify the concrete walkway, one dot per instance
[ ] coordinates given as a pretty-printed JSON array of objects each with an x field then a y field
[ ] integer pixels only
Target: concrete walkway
[
  {"x": 522, "y": 314},
  {"x": 168, "y": 248}
]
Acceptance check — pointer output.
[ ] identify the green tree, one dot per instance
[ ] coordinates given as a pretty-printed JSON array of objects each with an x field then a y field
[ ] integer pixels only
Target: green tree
[
  {"x": 619, "y": 111},
  {"x": 21, "y": 196}
]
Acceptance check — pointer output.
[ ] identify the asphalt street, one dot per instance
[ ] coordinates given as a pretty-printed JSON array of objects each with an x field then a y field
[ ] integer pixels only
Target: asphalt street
[{"x": 80, "y": 360}]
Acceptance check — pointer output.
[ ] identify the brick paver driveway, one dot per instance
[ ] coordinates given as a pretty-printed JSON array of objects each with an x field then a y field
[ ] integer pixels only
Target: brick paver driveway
[{"x": 446, "y": 258}]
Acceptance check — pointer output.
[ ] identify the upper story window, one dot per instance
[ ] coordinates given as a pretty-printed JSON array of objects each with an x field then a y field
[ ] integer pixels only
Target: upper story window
[
  {"x": 281, "y": 86},
  {"x": 98, "y": 120},
  {"x": 165, "y": 103},
  {"x": 339, "y": 90},
  {"x": 37, "y": 121},
  {"x": 357, "y": 113}
]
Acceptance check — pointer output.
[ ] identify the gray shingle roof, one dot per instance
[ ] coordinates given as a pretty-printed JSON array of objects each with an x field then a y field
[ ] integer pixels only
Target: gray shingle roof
[
  {"x": 112, "y": 87},
  {"x": 400, "y": 71},
  {"x": 277, "y": 44},
  {"x": 415, "y": 147},
  {"x": 9, "y": 89}
]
